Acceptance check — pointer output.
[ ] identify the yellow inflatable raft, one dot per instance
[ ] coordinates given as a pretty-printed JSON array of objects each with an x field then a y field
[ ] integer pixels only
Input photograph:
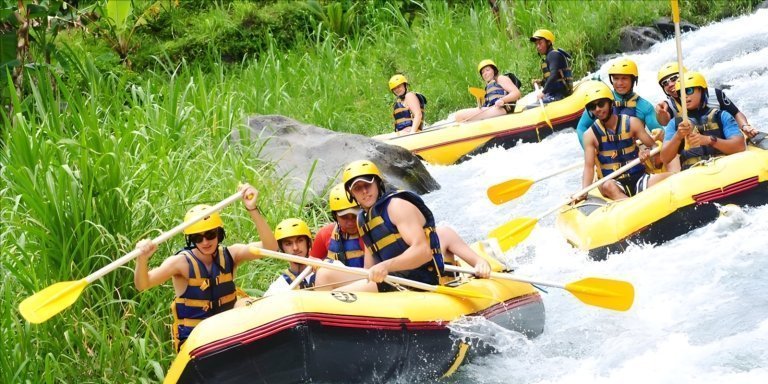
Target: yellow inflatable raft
[
  {"x": 353, "y": 337},
  {"x": 680, "y": 203},
  {"x": 452, "y": 143}
]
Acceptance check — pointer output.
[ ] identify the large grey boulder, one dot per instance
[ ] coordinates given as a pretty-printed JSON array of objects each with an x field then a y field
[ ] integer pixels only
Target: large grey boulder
[
  {"x": 666, "y": 26},
  {"x": 638, "y": 38},
  {"x": 294, "y": 147}
]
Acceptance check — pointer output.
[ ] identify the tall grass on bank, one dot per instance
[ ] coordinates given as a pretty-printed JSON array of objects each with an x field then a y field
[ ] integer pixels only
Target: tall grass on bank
[{"x": 107, "y": 157}]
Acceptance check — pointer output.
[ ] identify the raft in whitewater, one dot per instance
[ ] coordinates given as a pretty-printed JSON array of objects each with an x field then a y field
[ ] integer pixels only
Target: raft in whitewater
[
  {"x": 455, "y": 142},
  {"x": 313, "y": 336},
  {"x": 677, "y": 205}
]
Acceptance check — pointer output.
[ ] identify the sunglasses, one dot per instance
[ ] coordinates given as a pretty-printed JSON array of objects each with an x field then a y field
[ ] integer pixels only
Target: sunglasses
[
  {"x": 595, "y": 104},
  {"x": 669, "y": 80},
  {"x": 207, "y": 235},
  {"x": 689, "y": 91}
]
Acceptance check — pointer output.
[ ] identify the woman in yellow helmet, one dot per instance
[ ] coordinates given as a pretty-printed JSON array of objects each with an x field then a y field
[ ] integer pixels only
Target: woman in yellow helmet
[
  {"x": 501, "y": 93},
  {"x": 203, "y": 272},
  {"x": 408, "y": 108}
]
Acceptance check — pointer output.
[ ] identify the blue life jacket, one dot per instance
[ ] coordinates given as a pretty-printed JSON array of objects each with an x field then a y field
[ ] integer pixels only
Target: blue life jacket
[
  {"x": 207, "y": 293},
  {"x": 403, "y": 116},
  {"x": 564, "y": 83},
  {"x": 346, "y": 248},
  {"x": 626, "y": 106},
  {"x": 289, "y": 277},
  {"x": 708, "y": 123},
  {"x": 493, "y": 92},
  {"x": 616, "y": 149},
  {"x": 385, "y": 242}
]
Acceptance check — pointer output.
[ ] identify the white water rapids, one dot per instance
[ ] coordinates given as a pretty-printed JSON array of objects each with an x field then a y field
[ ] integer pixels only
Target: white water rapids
[{"x": 701, "y": 306}]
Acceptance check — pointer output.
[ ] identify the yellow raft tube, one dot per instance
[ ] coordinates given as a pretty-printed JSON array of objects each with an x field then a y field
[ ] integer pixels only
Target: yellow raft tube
[
  {"x": 678, "y": 204},
  {"x": 355, "y": 337},
  {"x": 454, "y": 142}
]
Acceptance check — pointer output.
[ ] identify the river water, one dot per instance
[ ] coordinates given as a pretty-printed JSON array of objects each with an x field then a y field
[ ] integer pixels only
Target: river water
[{"x": 701, "y": 306}]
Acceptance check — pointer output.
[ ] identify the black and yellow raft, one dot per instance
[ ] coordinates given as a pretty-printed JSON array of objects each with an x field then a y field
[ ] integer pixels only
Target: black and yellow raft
[
  {"x": 312, "y": 336},
  {"x": 680, "y": 203},
  {"x": 454, "y": 142}
]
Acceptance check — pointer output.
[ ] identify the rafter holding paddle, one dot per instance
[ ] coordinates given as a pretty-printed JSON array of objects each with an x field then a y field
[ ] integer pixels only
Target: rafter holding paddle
[
  {"x": 50, "y": 301},
  {"x": 364, "y": 272},
  {"x": 517, "y": 230},
  {"x": 514, "y": 188},
  {"x": 605, "y": 293},
  {"x": 543, "y": 110}
]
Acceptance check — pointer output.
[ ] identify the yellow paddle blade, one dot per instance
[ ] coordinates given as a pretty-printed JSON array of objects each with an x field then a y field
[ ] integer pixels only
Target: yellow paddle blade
[
  {"x": 508, "y": 190},
  {"x": 462, "y": 293},
  {"x": 43, "y": 305},
  {"x": 513, "y": 232},
  {"x": 478, "y": 93},
  {"x": 546, "y": 118},
  {"x": 606, "y": 293}
]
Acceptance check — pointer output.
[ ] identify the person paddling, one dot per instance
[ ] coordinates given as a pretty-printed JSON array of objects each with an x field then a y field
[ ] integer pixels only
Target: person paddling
[
  {"x": 669, "y": 108},
  {"x": 293, "y": 237},
  {"x": 623, "y": 75},
  {"x": 341, "y": 240},
  {"x": 203, "y": 272},
  {"x": 609, "y": 144},
  {"x": 708, "y": 132},
  {"x": 557, "y": 82},
  {"x": 408, "y": 108},
  {"x": 501, "y": 93}
]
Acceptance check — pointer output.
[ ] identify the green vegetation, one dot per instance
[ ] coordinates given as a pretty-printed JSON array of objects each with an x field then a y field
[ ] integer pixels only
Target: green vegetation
[{"x": 99, "y": 153}]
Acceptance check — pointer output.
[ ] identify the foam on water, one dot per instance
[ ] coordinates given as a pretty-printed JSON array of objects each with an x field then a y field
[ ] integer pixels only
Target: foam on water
[{"x": 701, "y": 306}]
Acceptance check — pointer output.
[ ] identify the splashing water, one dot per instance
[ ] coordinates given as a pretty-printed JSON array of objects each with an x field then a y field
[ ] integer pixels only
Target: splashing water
[{"x": 701, "y": 306}]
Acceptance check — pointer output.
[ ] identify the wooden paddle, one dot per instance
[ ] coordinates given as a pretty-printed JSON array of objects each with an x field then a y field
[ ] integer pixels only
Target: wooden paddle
[
  {"x": 43, "y": 305},
  {"x": 605, "y": 293},
  {"x": 543, "y": 110},
  {"x": 512, "y": 189},
  {"x": 517, "y": 230},
  {"x": 679, "y": 46},
  {"x": 297, "y": 281},
  {"x": 364, "y": 272}
]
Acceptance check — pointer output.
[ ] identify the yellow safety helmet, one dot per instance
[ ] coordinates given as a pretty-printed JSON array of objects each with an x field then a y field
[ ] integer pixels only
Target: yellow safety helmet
[
  {"x": 543, "y": 34},
  {"x": 623, "y": 67},
  {"x": 597, "y": 91},
  {"x": 338, "y": 199},
  {"x": 359, "y": 168},
  {"x": 692, "y": 79},
  {"x": 292, "y": 227},
  {"x": 486, "y": 63},
  {"x": 208, "y": 223},
  {"x": 396, "y": 80},
  {"x": 667, "y": 69}
]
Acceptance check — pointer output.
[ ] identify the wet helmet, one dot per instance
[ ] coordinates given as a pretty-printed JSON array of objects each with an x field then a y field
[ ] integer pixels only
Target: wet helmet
[
  {"x": 623, "y": 67},
  {"x": 486, "y": 63},
  {"x": 396, "y": 80},
  {"x": 543, "y": 34}
]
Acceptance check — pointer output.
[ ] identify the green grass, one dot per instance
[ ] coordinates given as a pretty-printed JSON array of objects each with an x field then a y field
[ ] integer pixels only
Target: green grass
[{"x": 109, "y": 156}]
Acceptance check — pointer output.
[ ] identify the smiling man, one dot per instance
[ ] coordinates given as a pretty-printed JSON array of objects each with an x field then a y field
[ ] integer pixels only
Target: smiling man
[
  {"x": 623, "y": 75},
  {"x": 609, "y": 144}
]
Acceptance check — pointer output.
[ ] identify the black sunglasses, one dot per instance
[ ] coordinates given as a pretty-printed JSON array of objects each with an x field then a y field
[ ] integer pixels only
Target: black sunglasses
[
  {"x": 600, "y": 103},
  {"x": 668, "y": 80},
  {"x": 207, "y": 235}
]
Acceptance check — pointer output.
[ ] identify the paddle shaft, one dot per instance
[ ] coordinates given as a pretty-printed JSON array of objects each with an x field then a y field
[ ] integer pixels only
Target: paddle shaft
[
  {"x": 559, "y": 172},
  {"x": 679, "y": 46},
  {"x": 600, "y": 182},
  {"x": 295, "y": 283},
  {"x": 336, "y": 267},
  {"x": 506, "y": 276},
  {"x": 541, "y": 103},
  {"x": 162, "y": 238}
]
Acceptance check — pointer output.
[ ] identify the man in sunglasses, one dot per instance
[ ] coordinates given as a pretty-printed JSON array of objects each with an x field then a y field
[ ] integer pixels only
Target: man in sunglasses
[
  {"x": 708, "y": 132},
  {"x": 610, "y": 143},
  {"x": 669, "y": 109},
  {"x": 203, "y": 272},
  {"x": 623, "y": 75}
]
